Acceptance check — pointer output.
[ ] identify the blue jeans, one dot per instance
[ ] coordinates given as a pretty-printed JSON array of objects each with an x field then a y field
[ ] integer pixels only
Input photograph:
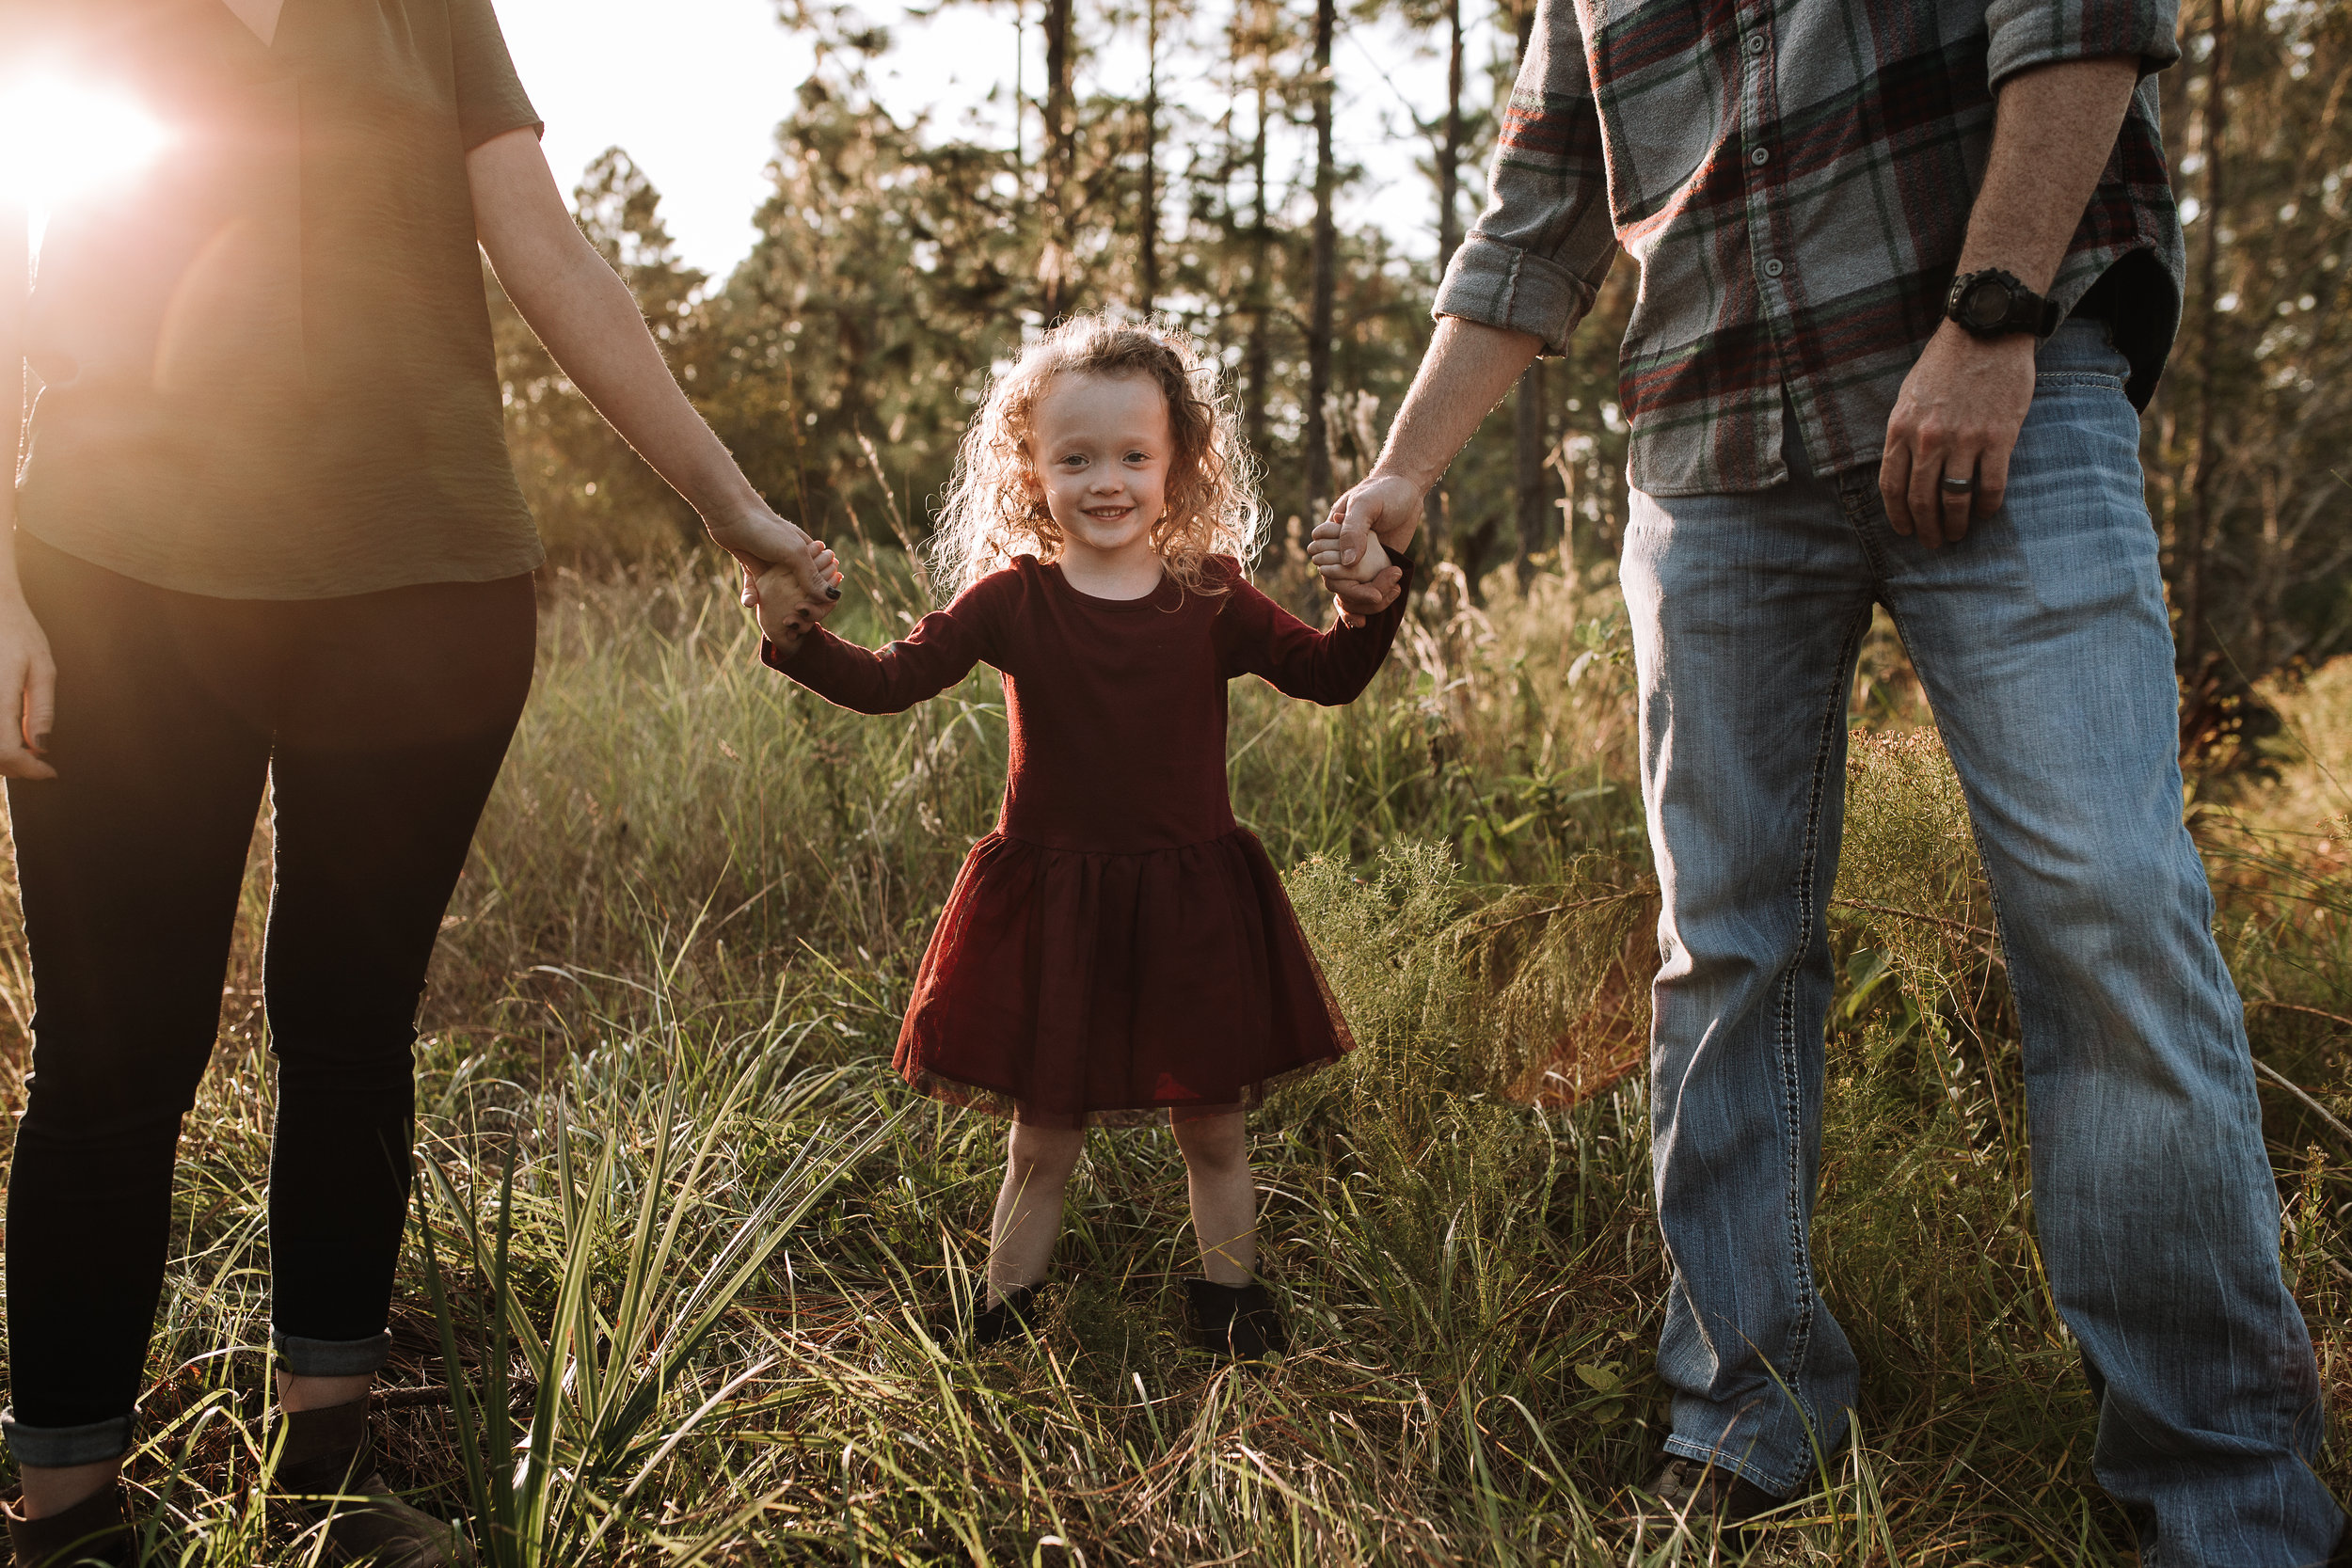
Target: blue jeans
[{"x": 2044, "y": 647}]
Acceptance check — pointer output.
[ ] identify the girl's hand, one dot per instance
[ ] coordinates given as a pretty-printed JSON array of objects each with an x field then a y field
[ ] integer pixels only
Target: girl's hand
[
  {"x": 1362, "y": 590},
  {"x": 1326, "y": 550},
  {"x": 791, "y": 596},
  {"x": 28, "y": 684},
  {"x": 758, "y": 540}
]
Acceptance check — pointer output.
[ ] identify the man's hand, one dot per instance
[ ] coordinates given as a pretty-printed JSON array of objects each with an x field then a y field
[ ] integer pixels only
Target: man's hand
[
  {"x": 783, "y": 598},
  {"x": 1958, "y": 418},
  {"x": 1962, "y": 404},
  {"x": 1358, "y": 591},
  {"x": 1386, "y": 506}
]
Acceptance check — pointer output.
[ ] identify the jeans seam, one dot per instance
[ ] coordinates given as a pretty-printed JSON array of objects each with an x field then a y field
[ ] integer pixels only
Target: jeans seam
[{"x": 1799, "y": 1345}]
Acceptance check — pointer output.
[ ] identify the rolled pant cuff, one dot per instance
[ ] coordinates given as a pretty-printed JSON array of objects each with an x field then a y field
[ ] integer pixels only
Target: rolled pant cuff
[
  {"x": 302, "y": 1357},
  {"x": 55, "y": 1448},
  {"x": 1741, "y": 1465}
]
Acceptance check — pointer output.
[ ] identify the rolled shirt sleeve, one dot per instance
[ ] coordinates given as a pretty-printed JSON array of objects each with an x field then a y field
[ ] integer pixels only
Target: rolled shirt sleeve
[
  {"x": 491, "y": 97},
  {"x": 2029, "y": 33},
  {"x": 1536, "y": 256}
]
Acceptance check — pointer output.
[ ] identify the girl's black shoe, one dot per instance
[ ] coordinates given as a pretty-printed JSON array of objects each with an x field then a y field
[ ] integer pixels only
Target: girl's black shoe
[
  {"x": 1239, "y": 1321},
  {"x": 1008, "y": 1318}
]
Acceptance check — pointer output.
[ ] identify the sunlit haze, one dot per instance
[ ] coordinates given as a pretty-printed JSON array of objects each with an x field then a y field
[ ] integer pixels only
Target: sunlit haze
[
  {"x": 60, "y": 140},
  {"x": 695, "y": 99}
]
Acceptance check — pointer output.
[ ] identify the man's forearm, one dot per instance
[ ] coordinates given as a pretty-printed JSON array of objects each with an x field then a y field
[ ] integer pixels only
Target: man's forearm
[
  {"x": 2054, "y": 130},
  {"x": 1468, "y": 369},
  {"x": 1962, "y": 404}
]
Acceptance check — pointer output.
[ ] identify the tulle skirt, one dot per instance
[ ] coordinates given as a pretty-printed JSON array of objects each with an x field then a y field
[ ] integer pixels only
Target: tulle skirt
[{"x": 1069, "y": 987}]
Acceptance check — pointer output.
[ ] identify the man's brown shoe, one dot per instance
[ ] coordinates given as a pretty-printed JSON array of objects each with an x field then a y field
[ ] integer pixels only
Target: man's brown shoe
[
  {"x": 326, "y": 1475},
  {"x": 1704, "y": 1496}
]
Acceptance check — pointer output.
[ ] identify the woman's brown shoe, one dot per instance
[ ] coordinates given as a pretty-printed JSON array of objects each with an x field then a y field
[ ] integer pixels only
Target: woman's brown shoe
[
  {"x": 327, "y": 1474},
  {"x": 93, "y": 1531}
]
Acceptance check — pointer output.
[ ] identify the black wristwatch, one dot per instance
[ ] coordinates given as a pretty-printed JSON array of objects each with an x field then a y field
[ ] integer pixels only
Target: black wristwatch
[{"x": 1993, "y": 304}]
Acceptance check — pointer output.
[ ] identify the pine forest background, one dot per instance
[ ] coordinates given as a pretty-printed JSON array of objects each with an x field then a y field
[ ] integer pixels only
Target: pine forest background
[{"x": 897, "y": 260}]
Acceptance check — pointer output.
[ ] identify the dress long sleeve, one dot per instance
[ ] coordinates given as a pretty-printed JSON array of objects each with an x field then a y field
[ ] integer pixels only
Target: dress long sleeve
[
  {"x": 1258, "y": 637},
  {"x": 939, "y": 652}
]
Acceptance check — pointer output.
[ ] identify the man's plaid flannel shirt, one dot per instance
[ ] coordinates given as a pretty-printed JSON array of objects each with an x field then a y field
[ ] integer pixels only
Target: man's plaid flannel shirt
[{"x": 1793, "y": 178}]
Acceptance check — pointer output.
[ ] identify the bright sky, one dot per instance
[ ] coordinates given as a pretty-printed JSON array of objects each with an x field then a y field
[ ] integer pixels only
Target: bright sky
[{"x": 695, "y": 99}]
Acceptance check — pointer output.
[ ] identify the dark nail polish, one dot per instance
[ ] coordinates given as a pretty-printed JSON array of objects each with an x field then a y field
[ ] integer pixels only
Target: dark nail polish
[
  {"x": 40, "y": 742},
  {"x": 833, "y": 592}
]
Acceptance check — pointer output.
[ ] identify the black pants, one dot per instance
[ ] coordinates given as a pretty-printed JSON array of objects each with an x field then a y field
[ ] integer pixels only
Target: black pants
[{"x": 380, "y": 721}]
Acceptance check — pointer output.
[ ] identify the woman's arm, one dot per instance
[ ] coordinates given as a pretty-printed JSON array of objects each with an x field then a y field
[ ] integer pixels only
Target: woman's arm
[
  {"x": 27, "y": 678},
  {"x": 590, "y": 323}
]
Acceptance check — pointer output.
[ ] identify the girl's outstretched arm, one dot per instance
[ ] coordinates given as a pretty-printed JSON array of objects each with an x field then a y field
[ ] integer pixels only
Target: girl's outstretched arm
[
  {"x": 939, "y": 652},
  {"x": 1258, "y": 637}
]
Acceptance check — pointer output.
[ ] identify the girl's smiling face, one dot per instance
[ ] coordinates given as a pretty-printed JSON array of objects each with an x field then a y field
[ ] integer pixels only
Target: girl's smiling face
[{"x": 1099, "y": 450}]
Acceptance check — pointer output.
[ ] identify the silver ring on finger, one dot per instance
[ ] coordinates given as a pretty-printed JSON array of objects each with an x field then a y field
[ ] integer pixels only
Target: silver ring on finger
[{"x": 1951, "y": 486}]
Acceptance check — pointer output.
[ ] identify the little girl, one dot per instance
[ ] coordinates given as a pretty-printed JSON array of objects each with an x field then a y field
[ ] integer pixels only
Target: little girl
[{"x": 1119, "y": 949}]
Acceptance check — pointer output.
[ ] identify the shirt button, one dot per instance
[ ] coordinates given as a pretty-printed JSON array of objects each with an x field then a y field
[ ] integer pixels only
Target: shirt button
[
  {"x": 1759, "y": 157},
  {"x": 1773, "y": 268},
  {"x": 1755, "y": 43}
]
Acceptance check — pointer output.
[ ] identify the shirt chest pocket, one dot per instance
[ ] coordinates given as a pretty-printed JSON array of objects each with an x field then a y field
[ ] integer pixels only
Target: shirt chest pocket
[{"x": 1669, "y": 96}]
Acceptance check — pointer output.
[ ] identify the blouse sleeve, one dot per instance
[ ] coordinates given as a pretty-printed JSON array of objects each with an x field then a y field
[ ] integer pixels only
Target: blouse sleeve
[
  {"x": 939, "y": 652},
  {"x": 1258, "y": 637},
  {"x": 491, "y": 97}
]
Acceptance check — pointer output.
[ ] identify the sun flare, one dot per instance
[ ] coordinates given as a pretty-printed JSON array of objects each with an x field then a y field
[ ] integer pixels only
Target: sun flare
[{"x": 63, "y": 141}]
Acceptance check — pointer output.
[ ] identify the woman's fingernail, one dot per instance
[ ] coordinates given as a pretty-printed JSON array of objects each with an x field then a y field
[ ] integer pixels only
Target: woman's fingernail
[
  {"x": 833, "y": 592},
  {"x": 40, "y": 742}
]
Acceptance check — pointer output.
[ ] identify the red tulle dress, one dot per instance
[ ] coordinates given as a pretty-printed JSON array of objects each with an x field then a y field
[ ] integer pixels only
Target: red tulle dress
[{"x": 1119, "y": 949}]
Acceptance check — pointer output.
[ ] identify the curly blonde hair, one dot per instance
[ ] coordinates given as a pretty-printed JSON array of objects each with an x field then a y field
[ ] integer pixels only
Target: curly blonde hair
[{"x": 989, "y": 515}]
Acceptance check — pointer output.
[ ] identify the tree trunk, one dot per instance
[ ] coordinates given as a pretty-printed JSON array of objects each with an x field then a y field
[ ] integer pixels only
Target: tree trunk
[
  {"x": 1450, "y": 161},
  {"x": 1449, "y": 232},
  {"x": 2196, "y": 541},
  {"x": 1148, "y": 256},
  {"x": 1257, "y": 354},
  {"x": 1528, "y": 436},
  {"x": 1325, "y": 276},
  {"x": 1054, "y": 264}
]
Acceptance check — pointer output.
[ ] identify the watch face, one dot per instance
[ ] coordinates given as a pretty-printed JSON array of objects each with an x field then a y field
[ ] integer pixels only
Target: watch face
[{"x": 1986, "y": 304}]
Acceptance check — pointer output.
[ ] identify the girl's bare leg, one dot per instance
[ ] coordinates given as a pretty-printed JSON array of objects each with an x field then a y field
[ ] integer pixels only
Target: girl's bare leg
[
  {"x": 1038, "y": 1163},
  {"x": 1224, "y": 1195}
]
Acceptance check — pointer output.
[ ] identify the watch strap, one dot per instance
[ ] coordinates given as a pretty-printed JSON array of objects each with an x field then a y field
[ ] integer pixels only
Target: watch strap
[{"x": 2027, "y": 310}]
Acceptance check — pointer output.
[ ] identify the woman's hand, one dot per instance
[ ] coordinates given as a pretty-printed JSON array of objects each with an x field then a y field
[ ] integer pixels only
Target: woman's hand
[
  {"x": 28, "y": 679},
  {"x": 791, "y": 596},
  {"x": 760, "y": 539}
]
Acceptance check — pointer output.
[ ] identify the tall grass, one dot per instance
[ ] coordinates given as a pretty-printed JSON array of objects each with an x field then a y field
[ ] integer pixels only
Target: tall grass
[{"x": 687, "y": 1262}]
